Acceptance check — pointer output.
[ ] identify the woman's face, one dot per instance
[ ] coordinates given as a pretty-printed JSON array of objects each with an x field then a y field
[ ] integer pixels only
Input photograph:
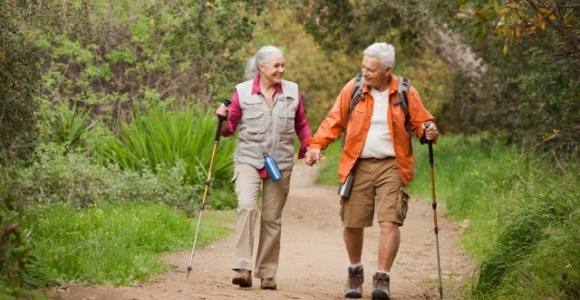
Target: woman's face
[
  {"x": 375, "y": 75},
  {"x": 273, "y": 70}
]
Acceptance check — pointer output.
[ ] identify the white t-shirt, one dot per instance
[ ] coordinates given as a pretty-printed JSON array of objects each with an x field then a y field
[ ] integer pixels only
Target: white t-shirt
[{"x": 379, "y": 143}]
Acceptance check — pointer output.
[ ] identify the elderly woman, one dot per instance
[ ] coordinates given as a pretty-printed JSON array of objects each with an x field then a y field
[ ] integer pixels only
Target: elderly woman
[{"x": 267, "y": 112}]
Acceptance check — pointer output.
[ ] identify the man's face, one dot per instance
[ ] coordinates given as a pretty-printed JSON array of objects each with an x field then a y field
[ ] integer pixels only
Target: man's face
[{"x": 375, "y": 76}]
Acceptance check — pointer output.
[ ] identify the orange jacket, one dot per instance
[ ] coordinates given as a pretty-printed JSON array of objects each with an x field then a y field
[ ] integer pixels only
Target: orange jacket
[{"x": 333, "y": 126}]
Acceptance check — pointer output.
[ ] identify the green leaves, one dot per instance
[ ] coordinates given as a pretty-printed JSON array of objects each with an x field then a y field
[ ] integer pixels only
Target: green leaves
[
  {"x": 66, "y": 125},
  {"x": 19, "y": 80},
  {"x": 167, "y": 136}
]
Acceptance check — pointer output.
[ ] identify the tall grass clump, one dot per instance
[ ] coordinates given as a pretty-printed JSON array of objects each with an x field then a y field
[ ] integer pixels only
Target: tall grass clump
[
  {"x": 536, "y": 255},
  {"x": 66, "y": 125},
  {"x": 110, "y": 243},
  {"x": 170, "y": 136}
]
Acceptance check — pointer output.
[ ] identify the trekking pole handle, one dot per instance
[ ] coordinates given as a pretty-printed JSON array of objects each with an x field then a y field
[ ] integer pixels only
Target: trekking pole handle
[
  {"x": 430, "y": 144},
  {"x": 221, "y": 119}
]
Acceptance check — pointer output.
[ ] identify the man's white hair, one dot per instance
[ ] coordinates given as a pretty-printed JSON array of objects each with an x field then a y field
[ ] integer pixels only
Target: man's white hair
[{"x": 384, "y": 52}]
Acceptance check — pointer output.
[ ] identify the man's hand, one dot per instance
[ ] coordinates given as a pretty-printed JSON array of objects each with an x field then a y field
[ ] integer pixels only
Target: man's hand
[
  {"x": 313, "y": 156},
  {"x": 430, "y": 131}
]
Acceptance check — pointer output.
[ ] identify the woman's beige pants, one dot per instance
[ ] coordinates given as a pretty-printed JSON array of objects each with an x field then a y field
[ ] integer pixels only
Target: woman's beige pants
[{"x": 248, "y": 184}]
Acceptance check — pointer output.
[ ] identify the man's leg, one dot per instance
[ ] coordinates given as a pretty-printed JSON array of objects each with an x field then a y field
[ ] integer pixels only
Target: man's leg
[
  {"x": 391, "y": 205},
  {"x": 389, "y": 245},
  {"x": 353, "y": 240},
  {"x": 357, "y": 213},
  {"x": 388, "y": 248}
]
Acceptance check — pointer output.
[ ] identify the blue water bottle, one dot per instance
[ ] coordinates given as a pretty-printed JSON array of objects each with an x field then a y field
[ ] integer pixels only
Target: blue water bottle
[{"x": 272, "y": 167}]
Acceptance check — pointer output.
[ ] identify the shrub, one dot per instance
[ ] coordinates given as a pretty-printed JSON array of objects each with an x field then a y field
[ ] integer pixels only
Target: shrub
[
  {"x": 19, "y": 81},
  {"x": 72, "y": 178}
]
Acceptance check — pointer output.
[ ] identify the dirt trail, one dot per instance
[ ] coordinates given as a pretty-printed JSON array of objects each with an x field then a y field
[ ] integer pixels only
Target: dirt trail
[{"x": 312, "y": 260}]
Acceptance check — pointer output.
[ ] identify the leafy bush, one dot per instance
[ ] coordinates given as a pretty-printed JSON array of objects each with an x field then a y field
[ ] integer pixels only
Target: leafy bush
[
  {"x": 19, "y": 80},
  {"x": 119, "y": 56},
  {"x": 72, "y": 178}
]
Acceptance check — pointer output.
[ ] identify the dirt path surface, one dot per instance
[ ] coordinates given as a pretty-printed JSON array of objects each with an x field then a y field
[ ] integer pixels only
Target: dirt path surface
[{"x": 313, "y": 259}]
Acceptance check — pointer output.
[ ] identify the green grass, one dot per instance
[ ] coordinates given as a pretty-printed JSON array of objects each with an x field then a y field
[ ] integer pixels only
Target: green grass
[
  {"x": 117, "y": 244},
  {"x": 521, "y": 209},
  {"x": 471, "y": 177},
  {"x": 327, "y": 174}
]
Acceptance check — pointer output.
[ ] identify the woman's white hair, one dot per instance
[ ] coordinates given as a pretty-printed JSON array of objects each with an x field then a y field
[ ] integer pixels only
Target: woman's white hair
[
  {"x": 261, "y": 57},
  {"x": 384, "y": 52}
]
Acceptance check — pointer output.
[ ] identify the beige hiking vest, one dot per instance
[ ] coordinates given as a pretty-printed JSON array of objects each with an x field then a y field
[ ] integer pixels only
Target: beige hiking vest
[{"x": 264, "y": 129}]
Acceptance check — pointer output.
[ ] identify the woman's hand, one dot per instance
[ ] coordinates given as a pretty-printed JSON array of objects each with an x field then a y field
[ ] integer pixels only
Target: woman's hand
[
  {"x": 313, "y": 156},
  {"x": 222, "y": 110}
]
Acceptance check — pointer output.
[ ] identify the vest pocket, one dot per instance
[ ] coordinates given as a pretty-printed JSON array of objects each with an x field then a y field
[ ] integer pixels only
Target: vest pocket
[
  {"x": 286, "y": 124},
  {"x": 254, "y": 122},
  {"x": 285, "y": 147}
]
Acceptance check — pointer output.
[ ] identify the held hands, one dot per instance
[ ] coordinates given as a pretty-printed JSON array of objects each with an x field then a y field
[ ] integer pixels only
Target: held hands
[{"x": 313, "y": 156}]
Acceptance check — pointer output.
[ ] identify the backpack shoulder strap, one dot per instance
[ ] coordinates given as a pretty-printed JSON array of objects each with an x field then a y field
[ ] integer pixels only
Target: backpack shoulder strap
[
  {"x": 402, "y": 90},
  {"x": 355, "y": 97}
]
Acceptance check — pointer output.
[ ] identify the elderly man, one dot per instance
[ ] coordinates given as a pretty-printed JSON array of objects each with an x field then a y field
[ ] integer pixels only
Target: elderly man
[{"x": 377, "y": 161}]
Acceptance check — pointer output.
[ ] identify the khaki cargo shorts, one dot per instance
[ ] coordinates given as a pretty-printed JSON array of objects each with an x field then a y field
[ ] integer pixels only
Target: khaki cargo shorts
[{"x": 377, "y": 187}]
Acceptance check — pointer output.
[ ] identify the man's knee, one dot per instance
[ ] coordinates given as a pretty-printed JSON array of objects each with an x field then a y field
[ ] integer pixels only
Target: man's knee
[{"x": 388, "y": 226}]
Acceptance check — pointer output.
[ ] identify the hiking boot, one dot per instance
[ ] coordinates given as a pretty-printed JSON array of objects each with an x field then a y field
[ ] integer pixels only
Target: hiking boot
[
  {"x": 354, "y": 283},
  {"x": 269, "y": 283},
  {"x": 243, "y": 278},
  {"x": 381, "y": 286}
]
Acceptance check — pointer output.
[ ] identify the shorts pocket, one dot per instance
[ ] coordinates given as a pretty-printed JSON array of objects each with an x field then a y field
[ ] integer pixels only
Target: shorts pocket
[{"x": 403, "y": 203}]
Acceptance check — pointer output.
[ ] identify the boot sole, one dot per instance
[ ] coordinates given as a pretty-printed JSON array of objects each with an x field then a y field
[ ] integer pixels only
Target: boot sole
[
  {"x": 241, "y": 282},
  {"x": 380, "y": 295},
  {"x": 353, "y": 295},
  {"x": 268, "y": 287}
]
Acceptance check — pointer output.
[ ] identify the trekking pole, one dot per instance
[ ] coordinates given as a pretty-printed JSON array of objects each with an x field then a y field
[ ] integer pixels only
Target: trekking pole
[
  {"x": 434, "y": 205},
  {"x": 221, "y": 119}
]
